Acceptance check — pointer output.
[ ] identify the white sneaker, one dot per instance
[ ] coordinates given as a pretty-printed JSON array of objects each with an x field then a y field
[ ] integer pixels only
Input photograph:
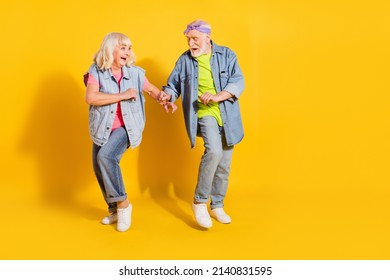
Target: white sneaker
[
  {"x": 124, "y": 218},
  {"x": 111, "y": 219},
  {"x": 220, "y": 215},
  {"x": 202, "y": 216}
]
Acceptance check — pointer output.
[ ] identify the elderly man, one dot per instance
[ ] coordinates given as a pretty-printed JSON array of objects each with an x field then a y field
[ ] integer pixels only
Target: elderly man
[{"x": 210, "y": 81}]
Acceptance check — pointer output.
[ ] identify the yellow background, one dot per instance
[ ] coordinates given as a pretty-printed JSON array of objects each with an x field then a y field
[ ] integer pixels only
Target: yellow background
[{"x": 309, "y": 181}]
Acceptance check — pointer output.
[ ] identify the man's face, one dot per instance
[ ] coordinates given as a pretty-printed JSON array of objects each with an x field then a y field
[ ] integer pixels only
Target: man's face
[{"x": 198, "y": 42}]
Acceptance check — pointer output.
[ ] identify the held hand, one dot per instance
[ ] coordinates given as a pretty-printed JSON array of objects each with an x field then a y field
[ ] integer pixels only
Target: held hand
[
  {"x": 170, "y": 105},
  {"x": 208, "y": 97},
  {"x": 163, "y": 98},
  {"x": 130, "y": 94}
]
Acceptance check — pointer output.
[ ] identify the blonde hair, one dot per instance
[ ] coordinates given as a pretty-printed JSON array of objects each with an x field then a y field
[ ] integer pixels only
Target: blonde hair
[{"x": 104, "y": 57}]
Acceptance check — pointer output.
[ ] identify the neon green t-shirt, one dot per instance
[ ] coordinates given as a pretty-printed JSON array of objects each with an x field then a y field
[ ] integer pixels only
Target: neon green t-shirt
[{"x": 206, "y": 84}]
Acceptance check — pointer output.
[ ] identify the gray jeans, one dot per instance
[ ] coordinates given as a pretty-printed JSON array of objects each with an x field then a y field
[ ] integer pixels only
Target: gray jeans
[{"x": 214, "y": 167}]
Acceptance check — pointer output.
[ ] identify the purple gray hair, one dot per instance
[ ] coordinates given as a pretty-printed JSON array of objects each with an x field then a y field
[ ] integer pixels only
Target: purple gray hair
[{"x": 199, "y": 25}]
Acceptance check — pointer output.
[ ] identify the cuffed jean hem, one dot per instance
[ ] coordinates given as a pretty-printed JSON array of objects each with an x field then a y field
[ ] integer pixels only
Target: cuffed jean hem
[
  {"x": 218, "y": 205},
  {"x": 212, "y": 205},
  {"x": 116, "y": 199},
  {"x": 200, "y": 200},
  {"x": 112, "y": 206}
]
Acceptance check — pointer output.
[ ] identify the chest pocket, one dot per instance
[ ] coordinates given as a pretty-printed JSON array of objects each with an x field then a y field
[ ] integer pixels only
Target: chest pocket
[{"x": 223, "y": 78}]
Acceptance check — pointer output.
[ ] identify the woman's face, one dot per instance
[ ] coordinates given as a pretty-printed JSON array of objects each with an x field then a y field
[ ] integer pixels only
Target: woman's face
[{"x": 121, "y": 55}]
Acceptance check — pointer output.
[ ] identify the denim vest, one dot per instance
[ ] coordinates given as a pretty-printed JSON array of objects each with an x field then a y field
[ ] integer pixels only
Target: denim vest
[
  {"x": 101, "y": 118},
  {"x": 227, "y": 75}
]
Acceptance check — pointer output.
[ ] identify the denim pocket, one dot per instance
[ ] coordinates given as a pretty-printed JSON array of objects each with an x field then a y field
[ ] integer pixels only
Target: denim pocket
[
  {"x": 134, "y": 106},
  {"x": 223, "y": 75},
  {"x": 97, "y": 120}
]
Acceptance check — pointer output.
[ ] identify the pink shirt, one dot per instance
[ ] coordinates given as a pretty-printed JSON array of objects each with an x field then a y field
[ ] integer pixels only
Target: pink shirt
[{"x": 118, "y": 121}]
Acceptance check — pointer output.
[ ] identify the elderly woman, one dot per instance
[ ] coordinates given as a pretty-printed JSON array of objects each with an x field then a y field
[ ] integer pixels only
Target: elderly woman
[{"x": 116, "y": 118}]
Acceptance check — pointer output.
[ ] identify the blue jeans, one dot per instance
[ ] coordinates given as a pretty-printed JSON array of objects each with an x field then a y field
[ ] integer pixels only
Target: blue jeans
[
  {"x": 106, "y": 167},
  {"x": 214, "y": 167}
]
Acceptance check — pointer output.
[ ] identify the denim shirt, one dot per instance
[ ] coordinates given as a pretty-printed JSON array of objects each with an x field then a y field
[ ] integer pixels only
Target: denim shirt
[
  {"x": 227, "y": 76},
  {"x": 101, "y": 118}
]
